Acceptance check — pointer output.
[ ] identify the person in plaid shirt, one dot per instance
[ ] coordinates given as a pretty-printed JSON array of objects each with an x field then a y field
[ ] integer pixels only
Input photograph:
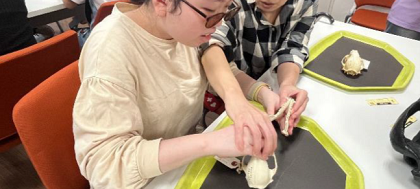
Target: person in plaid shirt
[{"x": 264, "y": 35}]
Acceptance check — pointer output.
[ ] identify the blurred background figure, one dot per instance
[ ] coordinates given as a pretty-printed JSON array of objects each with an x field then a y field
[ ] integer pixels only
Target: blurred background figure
[
  {"x": 91, "y": 8},
  {"x": 404, "y": 19},
  {"x": 15, "y": 31}
]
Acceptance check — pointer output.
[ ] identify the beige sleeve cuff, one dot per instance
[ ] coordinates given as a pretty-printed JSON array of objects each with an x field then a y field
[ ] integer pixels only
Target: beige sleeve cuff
[
  {"x": 254, "y": 90},
  {"x": 148, "y": 158},
  {"x": 235, "y": 70}
]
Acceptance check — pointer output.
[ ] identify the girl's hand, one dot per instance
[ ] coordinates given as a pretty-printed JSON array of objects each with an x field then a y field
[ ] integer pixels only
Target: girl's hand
[
  {"x": 222, "y": 142},
  {"x": 247, "y": 117}
]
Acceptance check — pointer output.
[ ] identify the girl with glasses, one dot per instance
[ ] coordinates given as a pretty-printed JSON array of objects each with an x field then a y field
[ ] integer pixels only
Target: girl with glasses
[{"x": 142, "y": 89}]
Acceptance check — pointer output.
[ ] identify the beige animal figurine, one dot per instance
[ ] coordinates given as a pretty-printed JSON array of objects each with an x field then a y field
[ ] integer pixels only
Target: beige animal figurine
[
  {"x": 257, "y": 172},
  {"x": 352, "y": 63}
]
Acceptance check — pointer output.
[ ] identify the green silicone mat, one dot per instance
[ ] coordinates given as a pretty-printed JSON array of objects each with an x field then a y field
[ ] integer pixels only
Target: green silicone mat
[
  {"x": 197, "y": 171},
  {"x": 388, "y": 70}
]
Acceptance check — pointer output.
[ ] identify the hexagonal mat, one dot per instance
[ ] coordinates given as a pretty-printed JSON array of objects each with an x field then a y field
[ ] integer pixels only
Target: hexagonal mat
[
  {"x": 308, "y": 159},
  {"x": 388, "y": 69}
]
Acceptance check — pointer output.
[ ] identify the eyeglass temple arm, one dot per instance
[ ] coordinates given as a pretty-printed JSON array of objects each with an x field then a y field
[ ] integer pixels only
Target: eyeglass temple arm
[{"x": 198, "y": 11}]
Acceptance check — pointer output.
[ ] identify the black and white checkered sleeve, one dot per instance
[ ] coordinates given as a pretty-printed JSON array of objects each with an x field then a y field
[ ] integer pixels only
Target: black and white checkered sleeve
[
  {"x": 294, "y": 47},
  {"x": 225, "y": 37}
]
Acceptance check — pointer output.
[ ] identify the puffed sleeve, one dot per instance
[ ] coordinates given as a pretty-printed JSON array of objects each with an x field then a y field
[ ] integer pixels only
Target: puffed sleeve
[{"x": 107, "y": 126}]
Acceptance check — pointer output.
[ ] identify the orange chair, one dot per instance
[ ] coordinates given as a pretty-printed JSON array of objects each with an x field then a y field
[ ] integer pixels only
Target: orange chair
[
  {"x": 370, "y": 18},
  {"x": 23, "y": 70},
  {"x": 43, "y": 118},
  {"x": 104, "y": 10}
]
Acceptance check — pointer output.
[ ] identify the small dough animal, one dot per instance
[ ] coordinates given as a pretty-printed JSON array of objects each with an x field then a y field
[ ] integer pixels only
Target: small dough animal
[{"x": 352, "y": 63}]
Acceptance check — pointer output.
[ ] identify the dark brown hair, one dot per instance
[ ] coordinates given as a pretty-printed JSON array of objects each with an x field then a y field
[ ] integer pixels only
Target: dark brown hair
[{"x": 176, "y": 3}]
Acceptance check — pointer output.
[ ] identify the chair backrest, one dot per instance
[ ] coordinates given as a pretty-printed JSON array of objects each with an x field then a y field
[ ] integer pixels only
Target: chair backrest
[
  {"x": 381, "y": 3},
  {"x": 104, "y": 10},
  {"x": 43, "y": 119},
  {"x": 22, "y": 70}
]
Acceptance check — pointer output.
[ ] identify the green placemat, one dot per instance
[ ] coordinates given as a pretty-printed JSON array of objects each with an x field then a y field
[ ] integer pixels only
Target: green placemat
[
  {"x": 196, "y": 172},
  {"x": 388, "y": 70}
]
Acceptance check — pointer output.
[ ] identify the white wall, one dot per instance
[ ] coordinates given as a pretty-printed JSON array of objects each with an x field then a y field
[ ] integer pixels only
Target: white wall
[
  {"x": 323, "y": 5},
  {"x": 337, "y": 8}
]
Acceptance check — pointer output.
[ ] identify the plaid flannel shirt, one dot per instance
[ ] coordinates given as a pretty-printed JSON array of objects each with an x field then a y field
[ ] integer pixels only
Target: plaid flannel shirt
[{"x": 255, "y": 45}]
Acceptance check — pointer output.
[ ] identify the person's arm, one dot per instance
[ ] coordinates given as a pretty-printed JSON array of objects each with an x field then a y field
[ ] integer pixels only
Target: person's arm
[
  {"x": 290, "y": 58},
  {"x": 238, "y": 108},
  {"x": 220, "y": 75},
  {"x": 109, "y": 144},
  {"x": 294, "y": 49},
  {"x": 176, "y": 152},
  {"x": 288, "y": 75},
  {"x": 69, "y": 4}
]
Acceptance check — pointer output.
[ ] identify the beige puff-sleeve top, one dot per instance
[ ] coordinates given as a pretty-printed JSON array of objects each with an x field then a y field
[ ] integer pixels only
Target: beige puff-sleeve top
[{"x": 136, "y": 89}]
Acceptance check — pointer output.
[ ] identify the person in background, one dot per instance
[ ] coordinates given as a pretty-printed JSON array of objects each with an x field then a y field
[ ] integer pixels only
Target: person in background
[
  {"x": 92, "y": 7},
  {"x": 404, "y": 19},
  {"x": 15, "y": 31},
  {"x": 142, "y": 89},
  {"x": 264, "y": 35}
]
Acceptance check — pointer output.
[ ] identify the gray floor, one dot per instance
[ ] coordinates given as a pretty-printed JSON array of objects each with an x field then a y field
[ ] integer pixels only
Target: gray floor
[{"x": 17, "y": 170}]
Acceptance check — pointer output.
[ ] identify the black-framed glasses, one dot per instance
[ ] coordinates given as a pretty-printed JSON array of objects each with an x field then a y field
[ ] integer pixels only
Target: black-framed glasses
[{"x": 214, "y": 19}]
